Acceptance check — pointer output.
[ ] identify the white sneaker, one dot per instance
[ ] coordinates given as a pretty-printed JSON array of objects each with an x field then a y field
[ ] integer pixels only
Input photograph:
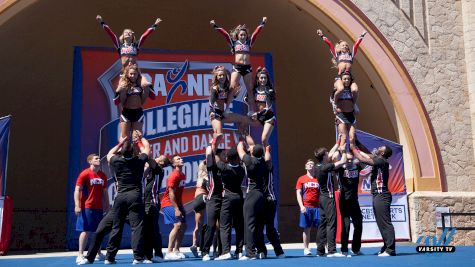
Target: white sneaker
[
  {"x": 194, "y": 250},
  {"x": 109, "y": 262},
  {"x": 238, "y": 256},
  {"x": 307, "y": 252},
  {"x": 100, "y": 257},
  {"x": 180, "y": 255},
  {"x": 84, "y": 262},
  {"x": 336, "y": 255},
  {"x": 171, "y": 257},
  {"x": 246, "y": 258},
  {"x": 261, "y": 256},
  {"x": 226, "y": 256},
  {"x": 281, "y": 256},
  {"x": 157, "y": 259},
  {"x": 135, "y": 262},
  {"x": 79, "y": 258},
  {"x": 206, "y": 258},
  {"x": 346, "y": 254},
  {"x": 384, "y": 254}
]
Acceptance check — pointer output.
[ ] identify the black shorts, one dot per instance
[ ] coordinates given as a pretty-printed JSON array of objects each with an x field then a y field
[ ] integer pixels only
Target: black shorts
[
  {"x": 346, "y": 117},
  {"x": 132, "y": 115},
  {"x": 218, "y": 113},
  {"x": 199, "y": 203},
  {"x": 268, "y": 117},
  {"x": 242, "y": 69}
]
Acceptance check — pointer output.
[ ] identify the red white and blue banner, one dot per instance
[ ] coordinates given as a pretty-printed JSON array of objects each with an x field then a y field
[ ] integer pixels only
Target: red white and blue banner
[
  {"x": 176, "y": 122},
  {"x": 5, "y": 123},
  {"x": 5, "y": 202},
  {"x": 397, "y": 187}
]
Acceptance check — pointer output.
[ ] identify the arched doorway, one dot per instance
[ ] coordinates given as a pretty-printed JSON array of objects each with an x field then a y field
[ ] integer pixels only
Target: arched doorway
[{"x": 395, "y": 87}]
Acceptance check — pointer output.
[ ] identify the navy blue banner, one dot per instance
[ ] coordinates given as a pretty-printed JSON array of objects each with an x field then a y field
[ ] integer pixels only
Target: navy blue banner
[{"x": 4, "y": 135}]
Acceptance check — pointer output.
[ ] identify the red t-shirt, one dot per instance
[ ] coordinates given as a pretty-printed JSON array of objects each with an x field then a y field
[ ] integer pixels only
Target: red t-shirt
[
  {"x": 310, "y": 190},
  {"x": 176, "y": 180},
  {"x": 93, "y": 185}
]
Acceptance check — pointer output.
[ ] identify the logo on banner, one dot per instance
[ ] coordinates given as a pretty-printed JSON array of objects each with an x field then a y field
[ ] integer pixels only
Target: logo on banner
[
  {"x": 398, "y": 213},
  {"x": 434, "y": 244},
  {"x": 365, "y": 175},
  {"x": 177, "y": 121}
]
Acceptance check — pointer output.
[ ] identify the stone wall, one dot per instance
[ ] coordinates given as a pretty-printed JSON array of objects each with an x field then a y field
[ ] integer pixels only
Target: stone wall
[
  {"x": 436, "y": 64},
  {"x": 468, "y": 15},
  {"x": 422, "y": 214}
]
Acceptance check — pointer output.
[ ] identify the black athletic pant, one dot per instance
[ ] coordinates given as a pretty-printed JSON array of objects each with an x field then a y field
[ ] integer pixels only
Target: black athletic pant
[
  {"x": 327, "y": 229},
  {"x": 232, "y": 217},
  {"x": 382, "y": 212},
  {"x": 254, "y": 222},
  {"x": 152, "y": 235},
  {"x": 213, "y": 208},
  {"x": 127, "y": 203},
  {"x": 217, "y": 245},
  {"x": 270, "y": 209},
  {"x": 350, "y": 208},
  {"x": 103, "y": 229}
]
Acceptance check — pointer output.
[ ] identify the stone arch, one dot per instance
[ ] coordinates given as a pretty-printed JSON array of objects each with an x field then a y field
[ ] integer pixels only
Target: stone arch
[{"x": 395, "y": 86}]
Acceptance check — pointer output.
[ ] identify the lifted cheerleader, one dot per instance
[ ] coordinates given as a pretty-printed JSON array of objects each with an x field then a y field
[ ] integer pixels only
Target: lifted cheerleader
[
  {"x": 342, "y": 58},
  {"x": 128, "y": 47},
  {"x": 264, "y": 96},
  {"x": 343, "y": 103},
  {"x": 130, "y": 97},
  {"x": 219, "y": 97},
  {"x": 126, "y": 44},
  {"x": 241, "y": 44}
]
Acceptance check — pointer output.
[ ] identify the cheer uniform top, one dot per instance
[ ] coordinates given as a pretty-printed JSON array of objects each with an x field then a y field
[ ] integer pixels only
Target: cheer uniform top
[
  {"x": 241, "y": 47},
  {"x": 346, "y": 57},
  {"x": 380, "y": 176},
  {"x": 128, "y": 49},
  {"x": 325, "y": 181},
  {"x": 217, "y": 95},
  {"x": 348, "y": 178},
  {"x": 266, "y": 97}
]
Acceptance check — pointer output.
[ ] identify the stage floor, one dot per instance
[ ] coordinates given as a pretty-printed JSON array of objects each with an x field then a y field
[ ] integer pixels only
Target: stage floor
[{"x": 406, "y": 256}]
